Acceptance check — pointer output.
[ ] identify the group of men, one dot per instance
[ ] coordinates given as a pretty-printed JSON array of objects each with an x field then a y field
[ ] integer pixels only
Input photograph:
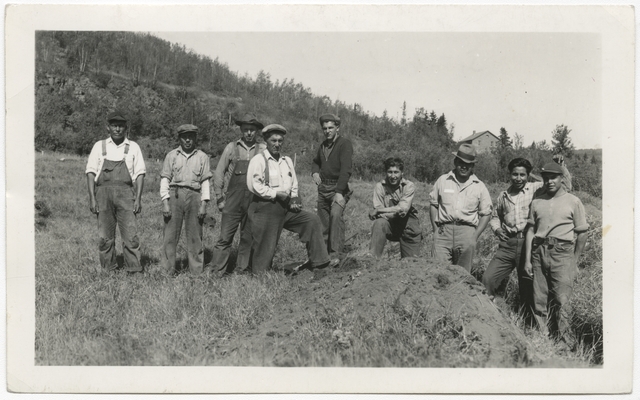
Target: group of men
[{"x": 541, "y": 228}]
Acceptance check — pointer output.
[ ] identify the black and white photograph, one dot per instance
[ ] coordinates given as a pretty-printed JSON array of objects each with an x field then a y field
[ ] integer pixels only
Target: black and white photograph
[{"x": 395, "y": 201}]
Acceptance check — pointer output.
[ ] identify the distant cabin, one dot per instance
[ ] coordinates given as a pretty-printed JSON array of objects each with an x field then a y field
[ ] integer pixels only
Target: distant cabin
[{"x": 484, "y": 141}]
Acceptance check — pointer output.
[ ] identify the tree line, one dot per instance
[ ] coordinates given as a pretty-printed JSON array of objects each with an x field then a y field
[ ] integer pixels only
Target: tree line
[{"x": 81, "y": 76}]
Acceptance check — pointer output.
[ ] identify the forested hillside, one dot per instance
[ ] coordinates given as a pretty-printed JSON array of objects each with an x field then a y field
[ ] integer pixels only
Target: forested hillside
[{"x": 81, "y": 76}]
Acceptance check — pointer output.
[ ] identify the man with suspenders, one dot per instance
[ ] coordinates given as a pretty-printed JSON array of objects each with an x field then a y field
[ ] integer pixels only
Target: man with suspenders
[
  {"x": 115, "y": 178},
  {"x": 276, "y": 205},
  {"x": 233, "y": 204}
]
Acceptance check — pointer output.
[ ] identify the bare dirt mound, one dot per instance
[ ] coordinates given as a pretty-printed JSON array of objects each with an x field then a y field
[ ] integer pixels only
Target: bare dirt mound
[{"x": 367, "y": 312}]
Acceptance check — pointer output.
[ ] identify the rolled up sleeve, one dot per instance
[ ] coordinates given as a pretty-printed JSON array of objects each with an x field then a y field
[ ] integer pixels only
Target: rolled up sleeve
[
  {"x": 221, "y": 168},
  {"x": 93, "y": 163},
  {"x": 486, "y": 206},
  {"x": 139, "y": 168},
  {"x": 433, "y": 195},
  {"x": 579, "y": 217},
  {"x": 378, "y": 196},
  {"x": 404, "y": 205},
  {"x": 255, "y": 179}
]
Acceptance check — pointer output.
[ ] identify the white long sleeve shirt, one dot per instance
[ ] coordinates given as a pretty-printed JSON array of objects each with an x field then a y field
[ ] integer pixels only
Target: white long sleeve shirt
[{"x": 282, "y": 176}]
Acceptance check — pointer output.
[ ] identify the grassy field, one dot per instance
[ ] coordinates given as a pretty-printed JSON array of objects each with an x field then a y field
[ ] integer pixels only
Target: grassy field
[{"x": 85, "y": 316}]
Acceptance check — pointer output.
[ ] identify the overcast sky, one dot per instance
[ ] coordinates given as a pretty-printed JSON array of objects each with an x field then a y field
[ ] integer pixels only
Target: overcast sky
[{"x": 526, "y": 82}]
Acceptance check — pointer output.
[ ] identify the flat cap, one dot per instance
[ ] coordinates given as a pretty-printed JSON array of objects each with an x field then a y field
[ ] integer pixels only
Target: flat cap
[
  {"x": 552, "y": 168},
  {"x": 274, "y": 128},
  {"x": 251, "y": 119},
  {"x": 116, "y": 116},
  {"x": 187, "y": 128},
  {"x": 329, "y": 117}
]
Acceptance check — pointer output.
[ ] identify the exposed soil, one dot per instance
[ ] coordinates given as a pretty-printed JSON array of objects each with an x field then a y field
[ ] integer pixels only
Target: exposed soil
[{"x": 408, "y": 287}]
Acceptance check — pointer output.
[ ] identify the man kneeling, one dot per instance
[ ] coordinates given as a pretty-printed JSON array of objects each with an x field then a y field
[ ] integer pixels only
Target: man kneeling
[{"x": 395, "y": 217}]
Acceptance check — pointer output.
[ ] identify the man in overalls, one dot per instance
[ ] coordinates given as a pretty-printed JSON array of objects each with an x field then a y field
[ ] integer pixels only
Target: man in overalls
[
  {"x": 184, "y": 190},
  {"x": 276, "y": 205},
  {"x": 113, "y": 166},
  {"x": 234, "y": 204}
]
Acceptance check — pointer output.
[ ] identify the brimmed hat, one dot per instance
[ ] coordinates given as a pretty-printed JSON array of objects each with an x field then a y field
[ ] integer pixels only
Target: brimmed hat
[
  {"x": 467, "y": 153},
  {"x": 116, "y": 116},
  {"x": 273, "y": 128},
  {"x": 330, "y": 118},
  {"x": 552, "y": 168},
  {"x": 249, "y": 118},
  {"x": 187, "y": 128}
]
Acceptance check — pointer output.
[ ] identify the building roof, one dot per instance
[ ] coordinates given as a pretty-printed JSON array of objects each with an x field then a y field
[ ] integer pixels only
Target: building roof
[{"x": 477, "y": 135}]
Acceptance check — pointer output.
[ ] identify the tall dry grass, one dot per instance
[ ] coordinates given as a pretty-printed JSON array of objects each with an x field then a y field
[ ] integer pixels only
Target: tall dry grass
[{"x": 85, "y": 316}]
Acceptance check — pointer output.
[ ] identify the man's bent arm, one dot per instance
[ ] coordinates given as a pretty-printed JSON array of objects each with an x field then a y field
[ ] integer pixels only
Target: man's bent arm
[{"x": 433, "y": 213}]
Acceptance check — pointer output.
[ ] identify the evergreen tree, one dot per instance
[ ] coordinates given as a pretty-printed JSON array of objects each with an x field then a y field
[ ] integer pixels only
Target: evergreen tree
[
  {"x": 561, "y": 142},
  {"x": 505, "y": 141}
]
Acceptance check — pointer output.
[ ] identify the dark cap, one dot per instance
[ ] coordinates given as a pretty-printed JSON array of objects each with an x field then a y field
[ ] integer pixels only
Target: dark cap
[
  {"x": 249, "y": 118},
  {"x": 187, "y": 128},
  {"x": 116, "y": 116},
  {"x": 330, "y": 118},
  {"x": 467, "y": 153},
  {"x": 552, "y": 168},
  {"x": 273, "y": 128}
]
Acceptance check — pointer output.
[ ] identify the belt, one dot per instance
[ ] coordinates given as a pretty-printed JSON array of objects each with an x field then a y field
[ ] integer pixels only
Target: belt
[
  {"x": 330, "y": 181},
  {"x": 458, "y": 222},
  {"x": 517, "y": 235},
  {"x": 184, "y": 187},
  {"x": 549, "y": 241}
]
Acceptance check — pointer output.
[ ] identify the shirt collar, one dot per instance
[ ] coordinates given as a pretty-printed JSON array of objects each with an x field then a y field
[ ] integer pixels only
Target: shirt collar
[
  {"x": 272, "y": 157},
  {"x": 332, "y": 143},
  {"x": 125, "y": 141},
  {"x": 185, "y": 154},
  {"x": 243, "y": 144},
  {"x": 473, "y": 178}
]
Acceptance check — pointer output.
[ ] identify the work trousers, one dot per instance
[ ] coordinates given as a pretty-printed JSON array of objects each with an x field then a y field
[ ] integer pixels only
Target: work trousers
[
  {"x": 332, "y": 216},
  {"x": 554, "y": 271},
  {"x": 510, "y": 255},
  {"x": 185, "y": 204},
  {"x": 406, "y": 230},
  {"x": 268, "y": 218},
  {"x": 115, "y": 203},
  {"x": 234, "y": 214},
  {"x": 455, "y": 244}
]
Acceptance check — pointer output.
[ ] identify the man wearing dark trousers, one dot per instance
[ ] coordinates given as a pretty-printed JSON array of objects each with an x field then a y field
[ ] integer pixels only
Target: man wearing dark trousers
[
  {"x": 115, "y": 178},
  {"x": 276, "y": 205},
  {"x": 331, "y": 170},
  {"x": 234, "y": 204}
]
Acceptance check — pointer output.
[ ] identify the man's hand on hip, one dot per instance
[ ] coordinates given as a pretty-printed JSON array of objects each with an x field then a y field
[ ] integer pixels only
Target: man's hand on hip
[{"x": 316, "y": 178}]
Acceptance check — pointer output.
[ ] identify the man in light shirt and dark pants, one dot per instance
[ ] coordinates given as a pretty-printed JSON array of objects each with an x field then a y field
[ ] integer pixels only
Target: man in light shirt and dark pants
[
  {"x": 276, "y": 205},
  {"x": 184, "y": 190},
  {"x": 395, "y": 217},
  {"x": 460, "y": 210}
]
